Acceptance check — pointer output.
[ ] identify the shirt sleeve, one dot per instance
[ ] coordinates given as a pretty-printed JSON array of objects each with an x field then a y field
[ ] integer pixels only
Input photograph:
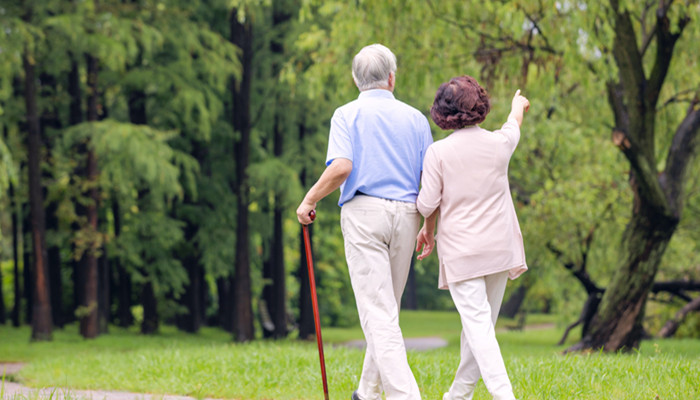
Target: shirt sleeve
[
  {"x": 511, "y": 130},
  {"x": 339, "y": 143},
  {"x": 430, "y": 194},
  {"x": 427, "y": 137}
]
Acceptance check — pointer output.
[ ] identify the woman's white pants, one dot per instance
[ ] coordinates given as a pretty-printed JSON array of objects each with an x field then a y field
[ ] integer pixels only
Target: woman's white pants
[
  {"x": 379, "y": 238},
  {"x": 478, "y": 302}
]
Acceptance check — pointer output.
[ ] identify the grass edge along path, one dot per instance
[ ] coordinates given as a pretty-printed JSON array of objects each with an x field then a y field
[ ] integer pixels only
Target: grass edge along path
[{"x": 210, "y": 365}]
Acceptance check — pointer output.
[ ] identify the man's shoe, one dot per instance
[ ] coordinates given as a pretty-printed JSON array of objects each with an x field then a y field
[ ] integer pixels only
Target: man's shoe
[{"x": 355, "y": 396}]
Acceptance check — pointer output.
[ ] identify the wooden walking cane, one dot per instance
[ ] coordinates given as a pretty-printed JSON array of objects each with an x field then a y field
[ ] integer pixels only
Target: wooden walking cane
[{"x": 314, "y": 303}]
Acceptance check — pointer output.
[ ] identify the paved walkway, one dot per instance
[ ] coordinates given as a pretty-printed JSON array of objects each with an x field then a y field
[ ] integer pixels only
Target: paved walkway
[
  {"x": 418, "y": 344},
  {"x": 12, "y": 390},
  {"x": 17, "y": 391}
]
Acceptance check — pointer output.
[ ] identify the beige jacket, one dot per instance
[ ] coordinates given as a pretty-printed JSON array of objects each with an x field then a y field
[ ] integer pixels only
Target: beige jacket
[{"x": 465, "y": 175}]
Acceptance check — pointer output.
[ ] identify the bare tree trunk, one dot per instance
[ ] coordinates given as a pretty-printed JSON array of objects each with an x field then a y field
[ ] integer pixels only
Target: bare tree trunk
[
  {"x": 42, "y": 324},
  {"x": 242, "y": 36}
]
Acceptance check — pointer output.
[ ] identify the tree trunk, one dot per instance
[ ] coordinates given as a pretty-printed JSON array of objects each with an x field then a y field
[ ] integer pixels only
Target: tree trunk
[
  {"x": 54, "y": 256},
  {"x": 27, "y": 264},
  {"x": 279, "y": 287},
  {"x": 306, "y": 318},
  {"x": 618, "y": 322},
  {"x": 511, "y": 307},
  {"x": 658, "y": 197},
  {"x": 50, "y": 120},
  {"x": 223, "y": 286},
  {"x": 191, "y": 321},
  {"x": 124, "y": 316},
  {"x": 89, "y": 327},
  {"x": 242, "y": 36},
  {"x": 17, "y": 307},
  {"x": 150, "y": 309},
  {"x": 104, "y": 275},
  {"x": 280, "y": 16},
  {"x": 41, "y": 314}
]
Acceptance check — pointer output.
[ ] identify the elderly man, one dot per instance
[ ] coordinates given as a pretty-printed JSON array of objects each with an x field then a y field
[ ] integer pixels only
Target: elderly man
[{"x": 375, "y": 155}]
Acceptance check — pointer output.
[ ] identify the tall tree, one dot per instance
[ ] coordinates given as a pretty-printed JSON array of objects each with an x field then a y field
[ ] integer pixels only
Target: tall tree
[
  {"x": 275, "y": 292},
  {"x": 242, "y": 36},
  {"x": 42, "y": 325},
  {"x": 50, "y": 123},
  {"x": 658, "y": 194}
]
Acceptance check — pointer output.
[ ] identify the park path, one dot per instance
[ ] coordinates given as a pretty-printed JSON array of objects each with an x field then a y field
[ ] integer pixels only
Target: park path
[{"x": 12, "y": 390}]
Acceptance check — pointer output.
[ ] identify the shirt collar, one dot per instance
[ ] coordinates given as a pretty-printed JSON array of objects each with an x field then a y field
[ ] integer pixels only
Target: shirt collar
[{"x": 376, "y": 93}]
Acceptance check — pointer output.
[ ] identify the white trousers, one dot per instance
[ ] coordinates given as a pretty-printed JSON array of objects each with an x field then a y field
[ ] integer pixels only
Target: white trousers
[
  {"x": 478, "y": 302},
  {"x": 379, "y": 238}
]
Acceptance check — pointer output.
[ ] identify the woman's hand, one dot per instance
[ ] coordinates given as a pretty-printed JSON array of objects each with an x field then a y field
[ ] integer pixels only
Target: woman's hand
[
  {"x": 520, "y": 102},
  {"x": 519, "y": 105},
  {"x": 426, "y": 241}
]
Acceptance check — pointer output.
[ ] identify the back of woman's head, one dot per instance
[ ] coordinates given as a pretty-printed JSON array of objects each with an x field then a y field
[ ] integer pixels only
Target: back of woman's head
[{"x": 459, "y": 103}]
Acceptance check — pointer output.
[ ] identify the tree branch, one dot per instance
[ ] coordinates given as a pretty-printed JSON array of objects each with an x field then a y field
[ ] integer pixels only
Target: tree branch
[
  {"x": 627, "y": 55},
  {"x": 680, "y": 97},
  {"x": 666, "y": 41},
  {"x": 682, "y": 151},
  {"x": 670, "y": 328},
  {"x": 469, "y": 30},
  {"x": 646, "y": 36},
  {"x": 579, "y": 271}
]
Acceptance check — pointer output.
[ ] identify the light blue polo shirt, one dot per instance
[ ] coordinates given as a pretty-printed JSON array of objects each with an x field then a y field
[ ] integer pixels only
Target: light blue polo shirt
[{"x": 386, "y": 141}]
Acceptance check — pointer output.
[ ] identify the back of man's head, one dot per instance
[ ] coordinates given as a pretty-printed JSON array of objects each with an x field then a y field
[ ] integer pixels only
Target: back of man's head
[{"x": 372, "y": 66}]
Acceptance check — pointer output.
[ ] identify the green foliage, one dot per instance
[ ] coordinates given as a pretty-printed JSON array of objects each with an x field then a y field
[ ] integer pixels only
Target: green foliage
[{"x": 177, "y": 172}]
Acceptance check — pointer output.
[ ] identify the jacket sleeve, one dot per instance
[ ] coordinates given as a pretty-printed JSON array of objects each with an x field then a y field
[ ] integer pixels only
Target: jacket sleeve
[
  {"x": 430, "y": 194},
  {"x": 511, "y": 130}
]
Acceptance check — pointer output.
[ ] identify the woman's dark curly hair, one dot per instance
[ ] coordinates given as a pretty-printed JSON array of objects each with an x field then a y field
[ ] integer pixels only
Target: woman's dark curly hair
[{"x": 460, "y": 102}]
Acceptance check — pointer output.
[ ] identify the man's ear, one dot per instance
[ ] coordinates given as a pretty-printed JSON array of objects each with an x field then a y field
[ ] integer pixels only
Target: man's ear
[{"x": 392, "y": 80}]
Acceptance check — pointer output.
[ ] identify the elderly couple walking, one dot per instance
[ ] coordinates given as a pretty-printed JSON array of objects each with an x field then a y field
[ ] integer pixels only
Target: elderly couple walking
[{"x": 382, "y": 157}]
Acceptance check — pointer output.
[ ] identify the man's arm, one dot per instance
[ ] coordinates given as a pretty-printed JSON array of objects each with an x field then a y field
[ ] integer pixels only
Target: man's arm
[{"x": 331, "y": 179}]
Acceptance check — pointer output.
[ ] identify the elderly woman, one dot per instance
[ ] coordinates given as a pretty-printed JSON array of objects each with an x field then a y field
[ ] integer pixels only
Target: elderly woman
[{"x": 465, "y": 182}]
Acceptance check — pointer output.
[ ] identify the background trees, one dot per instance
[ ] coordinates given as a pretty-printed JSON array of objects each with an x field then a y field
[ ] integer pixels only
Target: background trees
[{"x": 175, "y": 139}]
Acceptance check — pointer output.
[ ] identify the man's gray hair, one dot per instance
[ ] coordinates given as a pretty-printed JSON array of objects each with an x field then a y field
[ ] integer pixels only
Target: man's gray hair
[{"x": 372, "y": 65}]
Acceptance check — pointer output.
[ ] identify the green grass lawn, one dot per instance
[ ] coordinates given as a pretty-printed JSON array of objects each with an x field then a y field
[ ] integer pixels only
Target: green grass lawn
[{"x": 209, "y": 364}]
